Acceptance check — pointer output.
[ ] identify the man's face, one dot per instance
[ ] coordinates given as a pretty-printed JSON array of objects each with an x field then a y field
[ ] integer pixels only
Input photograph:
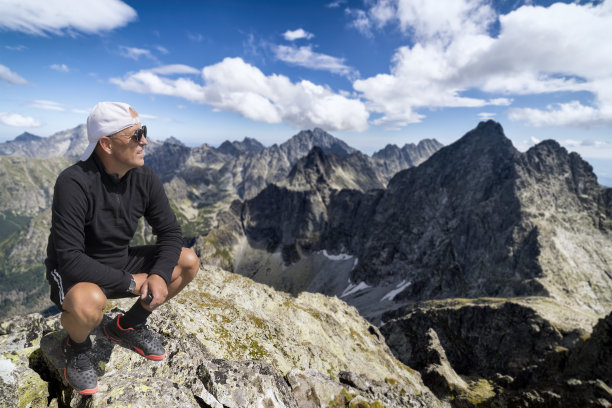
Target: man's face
[{"x": 126, "y": 150}]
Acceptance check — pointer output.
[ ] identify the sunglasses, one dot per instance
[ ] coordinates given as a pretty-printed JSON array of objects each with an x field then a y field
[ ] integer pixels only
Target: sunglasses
[{"x": 139, "y": 134}]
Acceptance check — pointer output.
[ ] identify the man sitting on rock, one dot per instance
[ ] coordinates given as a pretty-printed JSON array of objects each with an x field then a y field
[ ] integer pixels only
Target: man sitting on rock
[{"x": 97, "y": 203}]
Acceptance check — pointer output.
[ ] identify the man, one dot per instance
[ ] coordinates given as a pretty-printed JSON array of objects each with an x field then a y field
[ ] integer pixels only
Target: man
[{"x": 96, "y": 207}]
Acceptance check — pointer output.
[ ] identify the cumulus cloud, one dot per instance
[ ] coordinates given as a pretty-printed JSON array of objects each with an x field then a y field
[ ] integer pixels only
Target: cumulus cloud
[
  {"x": 561, "y": 48},
  {"x": 234, "y": 85},
  {"x": 17, "y": 120},
  {"x": 298, "y": 34},
  {"x": 60, "y": 67},
  {"x": 61, "y": 17},
  {"x": 305, "y": 57},
  {"x": 11, "y": 77}
]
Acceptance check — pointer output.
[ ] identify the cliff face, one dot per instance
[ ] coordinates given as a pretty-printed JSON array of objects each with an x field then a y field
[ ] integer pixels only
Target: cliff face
[
  {"x": 230, "y": 343},
  {"x": 519, "y": 352},
  {"x": 478, "y": 218}
]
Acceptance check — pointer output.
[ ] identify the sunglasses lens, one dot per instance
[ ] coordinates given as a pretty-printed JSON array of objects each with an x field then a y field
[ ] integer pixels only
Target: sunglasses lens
[{"x": 139, "y": 134}]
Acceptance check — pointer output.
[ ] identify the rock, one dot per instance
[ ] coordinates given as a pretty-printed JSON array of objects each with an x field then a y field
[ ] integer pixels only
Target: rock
[
  {"x": 512, "y": 352},
  {"x": 230, "y": 343}
]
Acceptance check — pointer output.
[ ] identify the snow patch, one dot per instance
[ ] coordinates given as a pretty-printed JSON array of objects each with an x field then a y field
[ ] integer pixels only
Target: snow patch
[
  {"x": 6, "y": 369},
  {"x": 339, "y": 257},
  {"x": 399, "y": 288},
  {"x": 352, "y": 288}
]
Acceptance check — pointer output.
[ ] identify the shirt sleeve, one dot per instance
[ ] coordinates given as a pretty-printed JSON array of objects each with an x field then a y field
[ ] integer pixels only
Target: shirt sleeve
[
  {"x": 69, "y": 211},
  {"x": 165, "y": 226}
]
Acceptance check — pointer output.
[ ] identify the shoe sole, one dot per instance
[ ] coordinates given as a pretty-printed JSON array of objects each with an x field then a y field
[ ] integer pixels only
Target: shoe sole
[{"x": 153, "y": 357}]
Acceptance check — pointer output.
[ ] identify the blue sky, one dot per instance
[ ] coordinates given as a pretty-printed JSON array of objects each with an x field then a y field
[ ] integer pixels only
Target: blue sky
[{"x": 370, "y": 72}]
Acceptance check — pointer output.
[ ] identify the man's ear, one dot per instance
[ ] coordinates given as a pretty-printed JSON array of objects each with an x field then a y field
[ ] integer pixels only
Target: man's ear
[{"x": 105, "y": 144}]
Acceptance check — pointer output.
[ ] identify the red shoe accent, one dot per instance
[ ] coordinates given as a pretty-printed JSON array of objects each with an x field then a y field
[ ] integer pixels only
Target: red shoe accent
[
  {"x": 151, "y": 356},
  {"x": 119, "y": 316},
  {"x": 110, "y": 337}
]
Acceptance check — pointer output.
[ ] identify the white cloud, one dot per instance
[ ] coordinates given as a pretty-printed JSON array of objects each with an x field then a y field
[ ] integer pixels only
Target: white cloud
[
  {"x": 562, "y": 114},
  {"x": 561, "y": 48},
  {"x": 11, "y": 77},
  {"x": 17, "y": 120},
  {"x": 305, "y": 57},
  {"x": 233, "y": 85},
  {"x": 47, "y": 105},
  {"x": 174, "y": 69},
  {"x": 336, "y": 3},
  {"x": 15, "y": 47},
  {"x": 486, "y": 115},
  {"x": 360, "y": 21},
  {"x": 64, "y": 16},
  {"x": 297, "y": 35},
  {"x": 162, "y": 49},
  {"x": 135, "y": 53},
  {"x": 60, "y": 67}
]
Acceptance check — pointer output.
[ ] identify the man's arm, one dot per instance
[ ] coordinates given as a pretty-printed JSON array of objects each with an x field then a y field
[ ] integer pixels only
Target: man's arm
[
  {"x": 165, "y": 226},
  {"x": 68, "y": 235}
]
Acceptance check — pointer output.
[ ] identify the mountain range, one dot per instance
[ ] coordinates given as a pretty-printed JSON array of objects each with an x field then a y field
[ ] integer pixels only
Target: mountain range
[
  {"x": 485, "y": 269},
  {"x": 478, "y": 218}
]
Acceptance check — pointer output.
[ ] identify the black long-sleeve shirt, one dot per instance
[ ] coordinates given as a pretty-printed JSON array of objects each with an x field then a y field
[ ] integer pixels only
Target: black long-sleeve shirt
[{"x": 95, "y": 215}]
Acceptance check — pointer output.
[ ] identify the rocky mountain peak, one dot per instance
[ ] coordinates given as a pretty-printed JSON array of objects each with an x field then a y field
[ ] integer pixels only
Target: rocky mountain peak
[
  {"x": 27, "y": 137},
  {"x": 305, "y": 140},
  {"x": 173, "y": 140},
  {"x": 313, "y": 169},
  {"x": 248, "y": 145}
]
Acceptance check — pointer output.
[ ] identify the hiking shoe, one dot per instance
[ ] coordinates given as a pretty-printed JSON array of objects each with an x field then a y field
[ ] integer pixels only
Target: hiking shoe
[
  {"x": 79, "y": 371},
  {"x": 139, "y": 338}
]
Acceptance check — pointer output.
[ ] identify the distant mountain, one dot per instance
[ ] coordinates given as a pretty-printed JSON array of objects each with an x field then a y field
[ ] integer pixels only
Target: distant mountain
[
  {"x": 68, "y": 143},
  {"x": 248, "y": 145},
  {"x": 392, "y": 159},
  {"x": 27, "y": 137},
  {"x": 478, "y": 218}
]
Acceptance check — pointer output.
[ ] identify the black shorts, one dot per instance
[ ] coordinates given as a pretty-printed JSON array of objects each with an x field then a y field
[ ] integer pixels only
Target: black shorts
[{"x": 140, "y": 260}]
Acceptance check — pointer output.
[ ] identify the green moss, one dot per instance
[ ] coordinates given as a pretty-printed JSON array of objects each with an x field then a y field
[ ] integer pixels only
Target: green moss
[{"x": 479, "y": 392}]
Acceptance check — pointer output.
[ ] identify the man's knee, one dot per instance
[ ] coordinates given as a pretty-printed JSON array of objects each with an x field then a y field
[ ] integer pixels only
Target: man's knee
[
  {"x": 85, "y": 301},
  {"x": 189, "y": 263}
]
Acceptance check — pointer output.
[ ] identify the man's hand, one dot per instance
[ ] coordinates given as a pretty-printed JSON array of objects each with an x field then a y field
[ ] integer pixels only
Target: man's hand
[
  {"x": 155, "y": 285},
  {"x": 140, "y": 279}
]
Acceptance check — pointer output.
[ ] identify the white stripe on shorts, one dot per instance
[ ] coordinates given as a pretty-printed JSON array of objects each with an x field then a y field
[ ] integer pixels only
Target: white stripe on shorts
[{"x": 58, "y": 279}]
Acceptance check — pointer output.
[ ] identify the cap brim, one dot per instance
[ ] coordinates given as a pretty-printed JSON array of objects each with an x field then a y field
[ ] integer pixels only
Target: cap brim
[{"x": 89, "y": 150}]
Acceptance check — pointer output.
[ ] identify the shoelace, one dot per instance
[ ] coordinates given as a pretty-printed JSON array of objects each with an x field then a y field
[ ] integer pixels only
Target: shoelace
[
  {"x": 82, "y": 362},
  {"x": 144, "y": 331}
]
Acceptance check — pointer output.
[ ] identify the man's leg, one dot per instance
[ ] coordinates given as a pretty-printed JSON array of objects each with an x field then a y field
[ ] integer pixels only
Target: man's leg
[
  {"x": 130, "y": 328},
  {"x": 83, "y": 308},
  {"x": 186, "y": 269}
]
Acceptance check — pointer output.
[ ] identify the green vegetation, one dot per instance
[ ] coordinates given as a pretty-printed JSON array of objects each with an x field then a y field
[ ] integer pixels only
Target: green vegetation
[{"x": 10, "y": 223}]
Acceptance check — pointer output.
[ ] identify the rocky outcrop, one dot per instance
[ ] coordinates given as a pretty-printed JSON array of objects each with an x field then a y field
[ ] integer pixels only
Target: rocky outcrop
[
  {"x": 230, "y": 343},
  {"x": 521, "y": 351}
]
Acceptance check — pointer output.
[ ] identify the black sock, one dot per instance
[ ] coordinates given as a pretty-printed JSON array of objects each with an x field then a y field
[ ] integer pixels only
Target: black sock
[
  {"x": 79, "y": 347},
  {"x": 136, "y": 315}
]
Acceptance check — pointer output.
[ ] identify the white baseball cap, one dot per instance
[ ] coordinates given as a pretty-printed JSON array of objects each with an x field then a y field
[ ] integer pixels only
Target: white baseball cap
[{"x": 107, "y": 118}]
